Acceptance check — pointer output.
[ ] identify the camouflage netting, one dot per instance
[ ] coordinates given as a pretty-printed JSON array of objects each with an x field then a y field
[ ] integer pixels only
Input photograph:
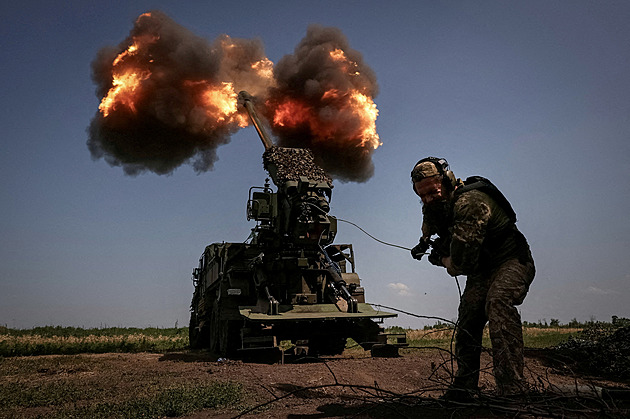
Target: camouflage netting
[
  {"x": 598, "y": 352},
  {"x": 291, "y": 163}
]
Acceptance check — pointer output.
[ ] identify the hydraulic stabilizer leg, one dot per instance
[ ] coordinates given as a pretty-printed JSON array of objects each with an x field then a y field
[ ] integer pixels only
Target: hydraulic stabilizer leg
[
  {"x": 273, "y": 303},
  {"x": 266, "y": 302},
  {"x": 339, "y": 285}
]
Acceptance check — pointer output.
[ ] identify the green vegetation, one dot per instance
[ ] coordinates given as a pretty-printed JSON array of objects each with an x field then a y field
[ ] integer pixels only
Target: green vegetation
[
  {"x": 107, "y": 386},
  {"x": 52, "y": 340},
  {"x": 532, "y": 337},
  {"x": 615, "y": 323},
  {"x": 57, "y": 340},
  {"x": 50, "y": 331},
  {"x": 74, "y": 386},
  {"x": 169, "y": 402},
  {"x": 599, "y": 350},
  {"x": 542, "y": 334},
  {"x": 67, "y": 400},
  {"x": 13, "y": 394}
]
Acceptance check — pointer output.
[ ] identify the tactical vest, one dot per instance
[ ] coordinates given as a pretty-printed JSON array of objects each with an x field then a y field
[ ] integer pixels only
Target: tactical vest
[
  {"x": 484, "y": 185},
  {"x": 494, "y": 250}
]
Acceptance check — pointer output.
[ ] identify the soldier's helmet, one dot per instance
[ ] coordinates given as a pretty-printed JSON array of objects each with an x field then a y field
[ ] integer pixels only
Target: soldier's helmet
[{"x": 433, "y": 166}]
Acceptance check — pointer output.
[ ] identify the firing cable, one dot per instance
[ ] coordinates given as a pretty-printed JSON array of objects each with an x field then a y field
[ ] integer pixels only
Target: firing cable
[
  {"x": 382, "y": 242},
  {"x": 351, "y": 223},
  {"x": 455, "y": 324},
  {"x": 374, "y": 238},
  {"x": 413, "y": 314},
  {"x": 459, "y": 290}
]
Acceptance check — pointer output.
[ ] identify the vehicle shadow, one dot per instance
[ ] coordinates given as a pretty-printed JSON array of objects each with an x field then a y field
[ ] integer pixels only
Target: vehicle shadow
[
  {"x": 200, "y": 355},
  {"x": 190, "y": 356}
]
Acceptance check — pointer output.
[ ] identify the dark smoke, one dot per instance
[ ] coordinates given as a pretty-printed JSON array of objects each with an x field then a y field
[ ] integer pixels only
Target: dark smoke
[
  {"x": 306, "y": 75},
  {"x": 169, "y": 126}
]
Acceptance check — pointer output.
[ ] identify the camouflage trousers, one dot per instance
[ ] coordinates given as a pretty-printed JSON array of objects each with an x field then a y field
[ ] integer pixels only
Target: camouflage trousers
[{"x": 492, "y": 298}]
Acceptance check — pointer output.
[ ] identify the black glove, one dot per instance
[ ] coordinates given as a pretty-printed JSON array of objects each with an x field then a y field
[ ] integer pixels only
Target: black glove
[
  {"x": 435, "y": 258},
  {"x": 420, "y": 249}
]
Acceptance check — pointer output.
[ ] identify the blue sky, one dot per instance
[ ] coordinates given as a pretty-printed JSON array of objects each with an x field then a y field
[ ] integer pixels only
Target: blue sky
[{"x": 534, "y": 95}]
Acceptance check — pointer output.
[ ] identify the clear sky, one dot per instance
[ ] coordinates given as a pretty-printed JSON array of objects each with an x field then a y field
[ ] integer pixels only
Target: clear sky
[{"x": 534, "y": 95}]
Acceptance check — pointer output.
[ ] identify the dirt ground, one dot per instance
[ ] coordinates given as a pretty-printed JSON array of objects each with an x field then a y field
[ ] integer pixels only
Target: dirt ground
[{"x": 351, "y": 385}]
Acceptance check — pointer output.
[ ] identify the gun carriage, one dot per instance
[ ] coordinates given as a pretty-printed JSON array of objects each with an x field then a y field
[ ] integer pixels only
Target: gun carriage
[{"x": 289, "y": 282}]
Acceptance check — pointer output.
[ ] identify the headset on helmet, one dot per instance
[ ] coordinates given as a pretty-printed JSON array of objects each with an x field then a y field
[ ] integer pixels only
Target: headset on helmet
[{"x": 442, "y": 168}]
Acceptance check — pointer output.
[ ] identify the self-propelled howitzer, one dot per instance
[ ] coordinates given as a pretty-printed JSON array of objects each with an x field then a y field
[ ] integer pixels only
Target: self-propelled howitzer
[{"x": 289, "y": 282}]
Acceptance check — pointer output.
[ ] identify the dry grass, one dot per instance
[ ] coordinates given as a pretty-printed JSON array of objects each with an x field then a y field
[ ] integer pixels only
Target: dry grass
[
  {"x": 46, "y": 345},
  {"x": 49, "y": 341},
  {"x": 534, "y": 337}
]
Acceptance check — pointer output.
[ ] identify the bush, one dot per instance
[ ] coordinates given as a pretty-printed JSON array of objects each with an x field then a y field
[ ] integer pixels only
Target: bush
[{"x": 600, "y": 350}]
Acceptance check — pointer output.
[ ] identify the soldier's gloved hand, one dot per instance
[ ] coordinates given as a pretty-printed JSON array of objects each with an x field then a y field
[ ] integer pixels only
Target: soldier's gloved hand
[
  {"x": 418, "y": 251},
  {"x": 435, "y": 258}
]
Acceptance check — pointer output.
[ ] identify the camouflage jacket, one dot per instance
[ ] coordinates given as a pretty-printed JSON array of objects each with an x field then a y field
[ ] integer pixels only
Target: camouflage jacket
[{"x": 482, "y": 234}]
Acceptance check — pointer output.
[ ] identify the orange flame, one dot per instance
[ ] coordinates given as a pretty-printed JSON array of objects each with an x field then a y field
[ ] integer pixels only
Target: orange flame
[
  {"x": 219, "y": 100},
  {"x": 321, "y": 98},
  {"x": 338, "y": 55},
  {"x": 264, "y": 68},
  {"x": 220, "y": 103},
  {"x": 126, "y": 82},
  {"x": 133, "y": 48},
  {"x": 124, "y": 91},
  {"x": 292, "y": 113},
  {"x": 366, "y": 109}
]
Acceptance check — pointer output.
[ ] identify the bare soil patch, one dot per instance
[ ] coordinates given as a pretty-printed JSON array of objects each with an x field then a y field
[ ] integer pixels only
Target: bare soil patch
[{"x": 351, "y": 385}]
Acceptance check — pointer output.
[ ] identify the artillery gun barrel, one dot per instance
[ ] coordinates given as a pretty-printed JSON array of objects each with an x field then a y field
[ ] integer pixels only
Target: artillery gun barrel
[{"x": 247, "y": 101}]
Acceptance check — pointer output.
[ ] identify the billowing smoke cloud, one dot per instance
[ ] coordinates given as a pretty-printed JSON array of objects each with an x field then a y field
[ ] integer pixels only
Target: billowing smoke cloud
[
  {"x": 169, "y": 98},
  {"x": 323, "y": 101}
]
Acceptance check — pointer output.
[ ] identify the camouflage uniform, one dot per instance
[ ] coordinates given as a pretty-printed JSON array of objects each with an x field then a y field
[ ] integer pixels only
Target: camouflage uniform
[{"x": 488, "y": 248}]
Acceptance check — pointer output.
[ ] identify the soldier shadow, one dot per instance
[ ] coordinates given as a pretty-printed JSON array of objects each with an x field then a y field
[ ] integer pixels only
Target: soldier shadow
[{"x": 370, "y": 409}]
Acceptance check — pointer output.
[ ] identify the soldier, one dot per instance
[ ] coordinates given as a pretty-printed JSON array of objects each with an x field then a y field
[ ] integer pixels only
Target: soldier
[{"x": 477, "y": 237}]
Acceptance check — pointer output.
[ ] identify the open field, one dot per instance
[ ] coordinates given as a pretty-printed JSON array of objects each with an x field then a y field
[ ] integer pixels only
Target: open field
[
  {"x": 533, "y": 337},
  {"x": 69, "y": 341},
  {"x": 177, "y": 382}
]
